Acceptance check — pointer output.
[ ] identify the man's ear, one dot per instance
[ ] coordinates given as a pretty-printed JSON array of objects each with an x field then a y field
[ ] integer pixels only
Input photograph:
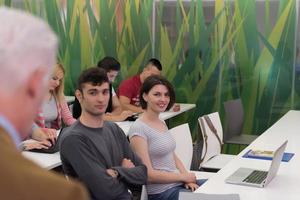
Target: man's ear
[
  {"x": 78, "y": 95},
  {"x": 36, "y": 86}
]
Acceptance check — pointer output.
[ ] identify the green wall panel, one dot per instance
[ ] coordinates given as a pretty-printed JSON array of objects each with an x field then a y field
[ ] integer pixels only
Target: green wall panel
[{"x": 228, "y": 55}]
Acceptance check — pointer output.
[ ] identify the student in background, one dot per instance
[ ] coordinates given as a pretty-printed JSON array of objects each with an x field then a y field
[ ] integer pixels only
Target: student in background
[
  {"x": 28, "y": 51},
  {"x": 114, "y": 110},
  {"x": 96, "y": 151},
  {"x": 154, "y": 144},
  {"x": 128, "y": 91},
  {"x": 55, "y": 108}
]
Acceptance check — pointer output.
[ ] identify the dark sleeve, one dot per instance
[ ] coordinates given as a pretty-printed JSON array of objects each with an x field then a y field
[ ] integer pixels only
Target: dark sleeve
[
  {"x": 76, "y": 110},
  {"x": 136, "y": 175},
  {"x": 90, "y": 169}
]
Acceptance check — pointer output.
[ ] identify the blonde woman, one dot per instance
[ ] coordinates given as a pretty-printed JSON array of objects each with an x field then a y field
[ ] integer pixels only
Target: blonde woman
[{"x": 55, "y": 108}]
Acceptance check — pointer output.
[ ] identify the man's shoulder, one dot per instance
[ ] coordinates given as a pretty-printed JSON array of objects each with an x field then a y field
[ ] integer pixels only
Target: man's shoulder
[
  {"x": 137, "y": 127},
  {"x": 113, "y": 128},
  {"x": 130, "y": 87},
  {"x": 18, "y": 171},
  {"x": 51, "y": 185},
  {"x": 130, "y": 80},
  {"x": 134, "y": 77},
  {"x": 75, "y": 130}
]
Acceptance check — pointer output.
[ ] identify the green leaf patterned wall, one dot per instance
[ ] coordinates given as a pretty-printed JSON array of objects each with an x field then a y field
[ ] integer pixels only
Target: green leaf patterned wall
[{"x": 228, "y": 56}]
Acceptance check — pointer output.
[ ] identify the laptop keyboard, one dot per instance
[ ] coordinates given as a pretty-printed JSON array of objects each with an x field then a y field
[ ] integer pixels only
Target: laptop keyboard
[{"x": 256, "y": 177}]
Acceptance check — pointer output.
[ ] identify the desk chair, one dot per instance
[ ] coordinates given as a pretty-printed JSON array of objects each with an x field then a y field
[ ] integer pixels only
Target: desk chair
[
  {"x": 184, "y": 148},
  {"x": 212, "y": 134},
  {"x": 235, "y": 119},
  {"x": 202, "y": 196}
]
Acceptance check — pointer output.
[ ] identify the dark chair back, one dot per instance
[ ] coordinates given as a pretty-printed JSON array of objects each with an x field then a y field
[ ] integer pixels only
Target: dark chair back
[{"x": 234, "y": 118}]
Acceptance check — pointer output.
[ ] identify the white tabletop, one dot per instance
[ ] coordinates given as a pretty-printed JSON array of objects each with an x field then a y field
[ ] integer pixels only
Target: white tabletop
[
  {"x": 44, "y": 160},
  {"x": 125, "y": 126},
  {"x": 165, "y": 115},
  {"x": 70, "y": 99},
  {"x": 183, "y": 108},
  {"x": 50, "y": 161},
  {"x": 285, "y": 184}
]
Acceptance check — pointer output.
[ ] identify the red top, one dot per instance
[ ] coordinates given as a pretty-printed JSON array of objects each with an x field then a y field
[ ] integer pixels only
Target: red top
[{"x": 131, "y": 88}]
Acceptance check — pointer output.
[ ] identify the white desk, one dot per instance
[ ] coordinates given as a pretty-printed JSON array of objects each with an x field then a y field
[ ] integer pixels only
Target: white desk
[
  {"x": 44, "y": 160},
  {"x": 165, "y": 115},
  {"x": 125, "y": 126},
  {"x": 183, "y": 108},
  {"x": 70, "y": 99},
  {"x": 50, "y": 161},
  {"x": 285, "y": 184}
]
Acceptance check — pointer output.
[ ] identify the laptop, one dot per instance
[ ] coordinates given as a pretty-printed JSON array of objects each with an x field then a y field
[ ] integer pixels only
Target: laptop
[
  {"x": 53, "y": 149},
  {"x": 258, "y": 178}
]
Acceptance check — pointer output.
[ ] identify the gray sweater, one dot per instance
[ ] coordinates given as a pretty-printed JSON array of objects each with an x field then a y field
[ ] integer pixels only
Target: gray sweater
[{"x": 87, "y": 152}]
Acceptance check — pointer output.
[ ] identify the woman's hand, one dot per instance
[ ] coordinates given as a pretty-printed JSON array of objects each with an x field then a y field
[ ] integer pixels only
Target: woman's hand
[
  {"x": 36, "y": 145},
  {"x": 188, "y": 177},
  {"x": 176, "y": 107},
  {"x": 50, "y": 134},
  {"x": 124, "y": 114},
  {"x": 120, "y": 117},
  {"x": 42, "y": 134},
  {"x": 191, "y": 186}
]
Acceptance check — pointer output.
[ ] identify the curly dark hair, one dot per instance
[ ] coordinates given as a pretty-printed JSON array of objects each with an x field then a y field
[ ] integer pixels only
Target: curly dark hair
[{"x": 93, "y": 75}]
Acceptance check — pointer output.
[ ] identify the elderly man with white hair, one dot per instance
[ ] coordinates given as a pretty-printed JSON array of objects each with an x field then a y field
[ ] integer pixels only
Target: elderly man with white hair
[{"x": 27, "y": 53}]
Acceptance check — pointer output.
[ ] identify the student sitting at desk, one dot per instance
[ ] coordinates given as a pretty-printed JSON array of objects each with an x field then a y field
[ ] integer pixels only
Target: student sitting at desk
[
  {"x": 114, "y": 110},
  {"x": 55, "y": 108},
  {"x": 129, "y": 89},
  {"x": 151, "y": 140},
  {"x": 96, "y": 151}
]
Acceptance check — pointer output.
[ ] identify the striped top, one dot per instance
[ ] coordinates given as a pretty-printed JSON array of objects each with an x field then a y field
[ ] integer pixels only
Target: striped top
[
  {"x": 50, "y": 111},
  {"x": 64, "y": 114},
  {"x": 161, "y": 146}
]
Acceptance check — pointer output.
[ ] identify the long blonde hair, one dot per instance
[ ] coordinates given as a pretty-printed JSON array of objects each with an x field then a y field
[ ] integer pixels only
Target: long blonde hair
[{"x": 59, "y": 91}]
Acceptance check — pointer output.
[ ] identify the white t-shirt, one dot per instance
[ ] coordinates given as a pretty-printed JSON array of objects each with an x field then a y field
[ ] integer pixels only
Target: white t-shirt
[{"x": 113, "y": 91}]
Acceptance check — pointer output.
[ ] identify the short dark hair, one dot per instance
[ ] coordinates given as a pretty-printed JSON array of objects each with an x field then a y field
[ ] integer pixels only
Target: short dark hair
[
  {"x": 93, "y": 75},
  {"x": 152, "y": 81},
  {"x": 109, "y": 63},
  {"x": 155, "y": 62}
]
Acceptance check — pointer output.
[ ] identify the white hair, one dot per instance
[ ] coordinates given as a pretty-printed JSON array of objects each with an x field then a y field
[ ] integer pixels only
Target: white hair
[{"x": 27, "y": 44}]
